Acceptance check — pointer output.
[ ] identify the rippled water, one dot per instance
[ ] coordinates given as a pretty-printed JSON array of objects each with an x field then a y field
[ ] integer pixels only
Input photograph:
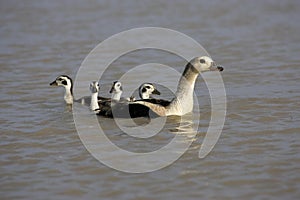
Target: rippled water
[{"x": 257, "y": 156}]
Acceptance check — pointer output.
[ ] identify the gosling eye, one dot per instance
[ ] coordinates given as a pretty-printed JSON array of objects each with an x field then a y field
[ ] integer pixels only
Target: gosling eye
[{"x": 202, "y": 61}]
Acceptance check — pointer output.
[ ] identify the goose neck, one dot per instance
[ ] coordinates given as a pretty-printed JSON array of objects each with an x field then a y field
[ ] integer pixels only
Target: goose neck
[{"x": 183, "y": 102}]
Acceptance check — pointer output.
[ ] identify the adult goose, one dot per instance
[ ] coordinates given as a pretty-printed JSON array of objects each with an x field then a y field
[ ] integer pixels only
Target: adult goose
[{"x": 183, "y": 101}]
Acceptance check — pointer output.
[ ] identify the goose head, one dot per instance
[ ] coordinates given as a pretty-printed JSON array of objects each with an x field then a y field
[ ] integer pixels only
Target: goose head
[
  {"x": 67, "y": 83},
  {"x": 203, "y": 64},
  {"x": 146, "y": 90}
]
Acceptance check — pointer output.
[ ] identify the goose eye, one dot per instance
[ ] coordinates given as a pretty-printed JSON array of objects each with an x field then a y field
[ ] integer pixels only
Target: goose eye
[{"x": 202, "y": 61}]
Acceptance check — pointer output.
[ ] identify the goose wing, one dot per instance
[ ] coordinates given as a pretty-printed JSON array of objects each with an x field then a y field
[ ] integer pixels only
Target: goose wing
[
  {"x": 113, "y": 109},
  {"x": 161, "y": 102}
]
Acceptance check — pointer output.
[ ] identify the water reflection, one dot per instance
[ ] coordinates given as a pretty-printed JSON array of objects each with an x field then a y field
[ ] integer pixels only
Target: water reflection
[{"x": 135, "y": 149}]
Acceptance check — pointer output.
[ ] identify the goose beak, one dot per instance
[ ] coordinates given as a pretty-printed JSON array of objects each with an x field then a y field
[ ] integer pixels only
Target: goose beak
[
  {"x": 220, "y": 68},
  {"x": 215, "y": 67},
  {"x": 156, "y": 92},
  {"x": 54, "y": 83},
  {"x": 111, "y": 90}
]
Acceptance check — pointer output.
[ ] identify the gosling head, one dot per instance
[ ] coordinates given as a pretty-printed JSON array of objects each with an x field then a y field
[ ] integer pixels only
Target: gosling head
[
  {"x": 116, "y": 87},
  {"x": 63, "y": 80},
  {"x": 116, "y": 90},
  {"x": 67, "y": 83},
  {"x": 146, "y": 90},
  {"x": 94, "y": 87}
]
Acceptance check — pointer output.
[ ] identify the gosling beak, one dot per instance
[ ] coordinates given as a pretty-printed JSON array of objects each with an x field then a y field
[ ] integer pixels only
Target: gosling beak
[
  {"x": 156, "y": 92},
  {"x": 54, "y": 83},
  {"x": 111, "y": 90},
  {"x": 94, "y": 89}
]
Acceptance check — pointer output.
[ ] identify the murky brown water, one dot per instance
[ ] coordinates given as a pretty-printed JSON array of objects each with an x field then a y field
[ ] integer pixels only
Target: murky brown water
[{"x": 257, "y": 156}]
